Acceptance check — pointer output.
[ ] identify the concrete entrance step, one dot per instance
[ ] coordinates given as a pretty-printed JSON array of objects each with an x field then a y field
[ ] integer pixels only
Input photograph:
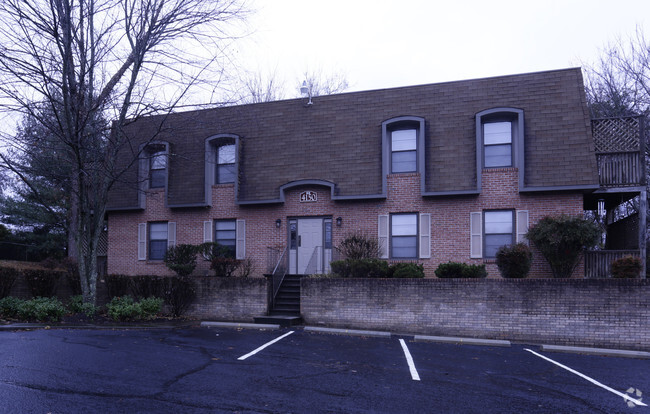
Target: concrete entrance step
[{"x": 282, "y": 320}]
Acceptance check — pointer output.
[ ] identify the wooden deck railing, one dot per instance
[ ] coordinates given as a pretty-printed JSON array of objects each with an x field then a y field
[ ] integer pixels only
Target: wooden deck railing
[
  {"x": 619, "y": 151},
  {"x": 619, "y": 169},
  {"x": 598, "y": 262}
]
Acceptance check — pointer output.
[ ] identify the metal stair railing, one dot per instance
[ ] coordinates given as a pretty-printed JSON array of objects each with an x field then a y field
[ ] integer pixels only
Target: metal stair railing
[{"x": 277, "y": 275}]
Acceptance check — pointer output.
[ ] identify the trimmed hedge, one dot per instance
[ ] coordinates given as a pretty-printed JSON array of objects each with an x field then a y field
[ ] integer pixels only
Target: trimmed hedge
[
  {"x": 42, "y": 282},
  {"x": 514, "y": 261},
  {"x": 460, "y": 270}
]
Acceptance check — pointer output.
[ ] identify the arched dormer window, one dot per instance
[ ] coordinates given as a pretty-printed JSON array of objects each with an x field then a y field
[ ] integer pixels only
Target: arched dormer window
[
  {"x": 500, "y": 137},
  {"x": 154, "y": 161},
  {"x": 403, "y": 144},
  {"x": 222, "y": 159}
]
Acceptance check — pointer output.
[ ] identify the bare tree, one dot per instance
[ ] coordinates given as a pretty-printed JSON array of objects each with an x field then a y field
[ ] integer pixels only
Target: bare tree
[
  {"x": 96, "y": 65},
  {"x": 319, "y": 84},
  {"x": 257, "y": 87},
  {"x": 619, "y": 83}
]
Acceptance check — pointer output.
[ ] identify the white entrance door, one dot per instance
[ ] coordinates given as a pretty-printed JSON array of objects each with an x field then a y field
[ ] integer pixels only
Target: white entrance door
[{"x": 310, "y": 246}]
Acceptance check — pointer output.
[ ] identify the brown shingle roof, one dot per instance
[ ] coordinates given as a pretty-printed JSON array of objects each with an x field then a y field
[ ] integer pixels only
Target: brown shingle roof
[{"x": 338, "y": 138}]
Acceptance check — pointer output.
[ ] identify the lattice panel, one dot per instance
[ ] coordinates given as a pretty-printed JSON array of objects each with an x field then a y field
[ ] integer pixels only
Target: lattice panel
[{"x": 616, "y": 134}]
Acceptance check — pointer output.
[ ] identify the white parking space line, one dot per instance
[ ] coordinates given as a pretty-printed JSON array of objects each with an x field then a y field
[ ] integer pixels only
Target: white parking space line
[
  {"x": 243, "y": 357},
  {"x": 626, "y": 397},
  {"x": 409, "y": 360}
]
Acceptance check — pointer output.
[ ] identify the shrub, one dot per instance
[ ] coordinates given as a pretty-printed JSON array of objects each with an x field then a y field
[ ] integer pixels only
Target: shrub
[
  {"x": 356, "y": 246},
  {"x": 117, "y": 285},
  {"x": 41, "y": 309},
  {"x": 221, "y": 259},
  {"x": 42, "y": 282},
  {"x": 561, "y": 240},
  {"x": 76, "y": 305},
  {"x": 181, "y": 259},
  {"x": 460, "y": 270},
  {"x": 150, "y": 307},
  {"x": 9, "y": 306},
  {"x": 146, "y": 286},
  {"x": 406, "y": 270},
  {"x": 7, "y": 278},
  {"x": 125, "y": 308},
  {"x": 628, "y": 267},
  {"x": 514, "y": 261},
  {"x": 360, "y": 268},
  {"x": 178, "y": 292}
]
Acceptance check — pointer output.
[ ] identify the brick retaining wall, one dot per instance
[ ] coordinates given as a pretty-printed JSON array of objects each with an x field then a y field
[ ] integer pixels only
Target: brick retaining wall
[
  {"x": 230, "y": 299},
  {"x": 599, "y": 312}
]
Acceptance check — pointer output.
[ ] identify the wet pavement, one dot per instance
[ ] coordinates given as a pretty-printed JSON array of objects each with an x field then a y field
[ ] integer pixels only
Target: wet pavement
[{"x": 280, "y": 371}]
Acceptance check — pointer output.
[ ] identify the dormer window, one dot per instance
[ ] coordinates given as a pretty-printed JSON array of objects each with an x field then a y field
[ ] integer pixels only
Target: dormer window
[
  {"x": 403, "y": 145},
  {"x": 221, "y": 161},
  {"x": 403, "y": 150},
  {"x": 500, "y": 137},
  {"x": 497, "y": 141},
  {"x": 157, "y": 169},
  {"x": 225, "y": 171}
]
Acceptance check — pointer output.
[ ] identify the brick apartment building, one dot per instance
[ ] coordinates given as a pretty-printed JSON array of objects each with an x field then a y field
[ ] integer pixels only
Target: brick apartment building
[{"x": 441, "y": 172}]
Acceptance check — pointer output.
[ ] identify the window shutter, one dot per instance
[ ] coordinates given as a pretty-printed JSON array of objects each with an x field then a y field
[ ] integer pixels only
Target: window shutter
[
  {"x": 142, "y": 241},
  {"x": 171, "y": 234},
  {"x": 522, "y": 226},
  {"x": 425, "y": 236},
  {"x": 207, "y": 231},
  {"x": 241, "y": 239},
  {"x": 382, "y": 233},
  {"x": 476, "y": 236}
]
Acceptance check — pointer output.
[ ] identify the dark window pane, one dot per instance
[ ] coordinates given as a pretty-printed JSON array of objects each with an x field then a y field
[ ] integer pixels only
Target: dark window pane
[
  {"x": 403, "y": 161},
  {"x": 494, "y": 241},
  {"x": 328, "y": 234},
  {"x": 225, "y": 173},
  {"x": 157, "y": 249},
  {"x": 293, "y": 226},
  {"x": 225, "y": 234},
  {"x": 404, "y": 247},
  {"x": 157, "y": 179},
  {"x": 498, "y": 155}
]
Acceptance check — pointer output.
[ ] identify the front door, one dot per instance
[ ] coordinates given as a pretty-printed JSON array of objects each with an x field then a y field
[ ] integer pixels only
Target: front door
[{"x": 310, "y": 245}]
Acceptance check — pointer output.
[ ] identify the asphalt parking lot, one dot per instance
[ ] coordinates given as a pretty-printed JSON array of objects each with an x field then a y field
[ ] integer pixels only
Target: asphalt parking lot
[{"x": 300, "y": 371}]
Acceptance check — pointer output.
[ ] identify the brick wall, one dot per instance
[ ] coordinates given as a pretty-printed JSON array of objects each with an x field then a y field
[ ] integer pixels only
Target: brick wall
[
  {"x": 450, "y": 220},
  {"x": 597, "y": 312},
  {"x": 230, "y": 299}
]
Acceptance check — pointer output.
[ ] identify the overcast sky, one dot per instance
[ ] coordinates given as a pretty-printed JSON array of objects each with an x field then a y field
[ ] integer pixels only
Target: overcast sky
[{"x": 387, "y": 43}]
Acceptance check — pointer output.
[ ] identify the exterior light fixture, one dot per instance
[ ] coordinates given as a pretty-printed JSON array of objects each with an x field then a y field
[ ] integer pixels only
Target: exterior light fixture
[
  {"x": 278, "y": 223},
  {"x": 339, "y": 221},
  {"x": 304, "y": 90}
]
